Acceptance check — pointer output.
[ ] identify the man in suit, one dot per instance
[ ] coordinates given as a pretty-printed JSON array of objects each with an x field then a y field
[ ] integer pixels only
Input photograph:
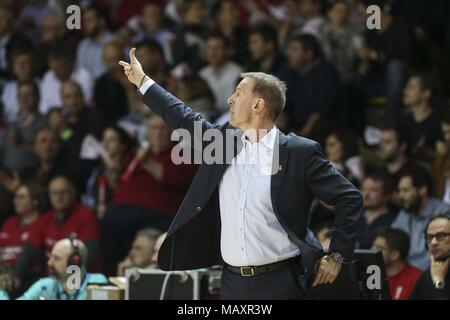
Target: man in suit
[{"x": 236, "y": 214}]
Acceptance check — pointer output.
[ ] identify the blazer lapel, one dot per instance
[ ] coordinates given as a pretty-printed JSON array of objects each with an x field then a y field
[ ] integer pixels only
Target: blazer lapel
[{"x": 280, "y": 158}]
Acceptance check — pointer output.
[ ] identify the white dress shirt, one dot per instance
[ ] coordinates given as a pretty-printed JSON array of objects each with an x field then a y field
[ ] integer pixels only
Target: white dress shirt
[
  {"x": 251, "y": 234},
  {"x": 89, "y": 54}
]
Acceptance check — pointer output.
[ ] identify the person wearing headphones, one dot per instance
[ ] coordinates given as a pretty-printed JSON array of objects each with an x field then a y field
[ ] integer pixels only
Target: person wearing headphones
[
  {"x": 434, "y": 284},
  {"x": 66, "y": 255}
]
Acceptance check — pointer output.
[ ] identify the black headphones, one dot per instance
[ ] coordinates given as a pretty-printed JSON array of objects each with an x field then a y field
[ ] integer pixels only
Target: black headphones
[
  {"x": 75, "y": 257},
  {"x": 440, "y": 216}
]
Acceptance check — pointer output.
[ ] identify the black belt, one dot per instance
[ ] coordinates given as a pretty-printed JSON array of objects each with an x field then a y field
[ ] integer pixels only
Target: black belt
[{"x": 254, "y": 271}]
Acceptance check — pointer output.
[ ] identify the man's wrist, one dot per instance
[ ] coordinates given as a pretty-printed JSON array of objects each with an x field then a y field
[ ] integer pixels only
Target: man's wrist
[
  {"x": 147, "y": 82},
  {"x": 144, "y": 78},
  {"x": 336, "y": 257}
]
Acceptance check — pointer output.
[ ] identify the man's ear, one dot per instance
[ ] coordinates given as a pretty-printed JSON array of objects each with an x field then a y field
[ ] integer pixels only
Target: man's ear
[{"x": 259, "y": 104}]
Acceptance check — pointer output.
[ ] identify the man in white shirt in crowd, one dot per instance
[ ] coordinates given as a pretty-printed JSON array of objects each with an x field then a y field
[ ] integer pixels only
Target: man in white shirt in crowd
[
  {"x": 221, "y": 74},
  {"x": 89, "y": 53},
  {"x": 62, "y": 68}
]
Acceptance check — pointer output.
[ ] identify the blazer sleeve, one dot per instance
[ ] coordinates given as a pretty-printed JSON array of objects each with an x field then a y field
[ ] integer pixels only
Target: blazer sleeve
[
  {"x": 175, "y": 112},
  {"x": 327, "y": 184}
]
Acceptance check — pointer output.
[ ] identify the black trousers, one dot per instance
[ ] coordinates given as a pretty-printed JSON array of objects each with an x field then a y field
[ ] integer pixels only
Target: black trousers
[{"x": 277, "y": 285}]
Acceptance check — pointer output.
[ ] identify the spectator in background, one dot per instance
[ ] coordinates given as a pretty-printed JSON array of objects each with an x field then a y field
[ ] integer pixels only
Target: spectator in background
[
  {"x": 57, "y": 286},
  {"x": 384, "y": 57},
  {"x": 35, "y": 12},
  {"x": 23, "y": 67},
  {"x": 83, "y": 121},
  {"x": 53, "y": 33},
  {"x": 341, "y": 148},
  {"x": 314, "y": 86},
  {"x": 195, "y": 91},
  {"x": 394, "y": 150},
  {"x": 48, "y": 150},
  {"x": 423, "y": 121},
  {"x": 125, "y": 10},
  {"x": 264, "y": 53},
  {"x": 190, "y": 35},
  {"x": 434, "y": 284},
  {"x": 89, "y": 52},
  {"x": 220, "y": 74},
  {"x": 152, "y": 21},
  {"x": 105, "y": 176},
  {"x": 149, "y": 192},
  {"x": 32, "y": 17},
  {"x": 61, "y": 61},
  {"x": 339, "y": 41},
  {"x": 20, "y": 136},
  {"x": 10, "y": 40},
  {"x": 376, "y": 190},
  {"x": 23, "y": 230},
  {"x": 441, "y": 165},
  {"x": 227, "y": 21},
  {"x": 110, "y": 91},
  {"x": 69, "y": 217},
  {"x": 141, "y": 252},
  {"x": 394, "y": 245},
  {"x": 311, "y": 12},
  {"x": 59, "y": 124},
  {"x": 418, "y": 207},
  {"x": 152, "y": 57}
]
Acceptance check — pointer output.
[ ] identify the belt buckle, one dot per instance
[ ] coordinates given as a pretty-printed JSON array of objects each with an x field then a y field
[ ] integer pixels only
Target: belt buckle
[{"x": 247, "y": 271}]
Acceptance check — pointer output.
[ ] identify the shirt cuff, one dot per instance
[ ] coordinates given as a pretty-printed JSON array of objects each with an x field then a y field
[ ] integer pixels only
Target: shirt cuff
[{"x": 146, "y": 85}]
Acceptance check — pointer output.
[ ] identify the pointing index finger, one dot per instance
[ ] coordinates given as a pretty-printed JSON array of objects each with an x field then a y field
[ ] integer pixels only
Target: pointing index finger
[{"x": 133, "y": 55}]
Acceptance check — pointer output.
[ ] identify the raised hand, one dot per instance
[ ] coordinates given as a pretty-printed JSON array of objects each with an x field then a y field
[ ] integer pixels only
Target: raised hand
[{"x": 133, "y": 70}]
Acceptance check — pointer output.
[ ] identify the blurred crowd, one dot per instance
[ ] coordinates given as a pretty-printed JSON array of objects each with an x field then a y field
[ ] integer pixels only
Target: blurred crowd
[{"x": 80, "y": 154}]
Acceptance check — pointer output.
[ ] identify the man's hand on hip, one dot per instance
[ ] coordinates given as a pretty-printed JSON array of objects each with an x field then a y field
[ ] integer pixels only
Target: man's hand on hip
[
  {"x": 327, "y": 271},
  {"x": 133, "y": 70}
]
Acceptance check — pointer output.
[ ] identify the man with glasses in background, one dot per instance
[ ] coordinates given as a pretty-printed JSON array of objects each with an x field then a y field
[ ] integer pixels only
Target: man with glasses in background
[{"x": 434, "y": 284}]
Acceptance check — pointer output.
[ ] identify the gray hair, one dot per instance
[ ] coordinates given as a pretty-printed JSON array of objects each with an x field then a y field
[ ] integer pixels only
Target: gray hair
[{"x": 270, "y": 88}]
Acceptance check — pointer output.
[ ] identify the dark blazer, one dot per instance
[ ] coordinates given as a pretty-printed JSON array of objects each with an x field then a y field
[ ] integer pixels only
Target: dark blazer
[{"x": 193, "y": 239}]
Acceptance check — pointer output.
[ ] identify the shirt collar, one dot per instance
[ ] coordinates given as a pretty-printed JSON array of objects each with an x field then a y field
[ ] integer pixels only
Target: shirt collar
[{"x": 268, "y": 140}]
